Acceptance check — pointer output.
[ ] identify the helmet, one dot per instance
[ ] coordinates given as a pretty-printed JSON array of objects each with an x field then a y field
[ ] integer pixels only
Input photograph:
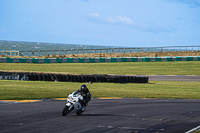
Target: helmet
[{"x": 83, "y": 87}]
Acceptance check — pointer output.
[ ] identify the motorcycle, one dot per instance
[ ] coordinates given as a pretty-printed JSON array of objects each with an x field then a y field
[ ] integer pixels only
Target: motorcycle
[{"x": 74, "y": 104}]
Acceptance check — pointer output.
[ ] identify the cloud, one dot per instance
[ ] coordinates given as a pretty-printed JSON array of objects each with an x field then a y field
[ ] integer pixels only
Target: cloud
[
  {"x": 109, "y": 19},
  {"x": 192, "y": 3},
  {"x": 126, "y": 21}
]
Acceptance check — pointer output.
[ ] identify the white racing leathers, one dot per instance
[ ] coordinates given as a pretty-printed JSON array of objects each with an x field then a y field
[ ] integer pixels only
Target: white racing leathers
[{"x": 73, "y": 104}]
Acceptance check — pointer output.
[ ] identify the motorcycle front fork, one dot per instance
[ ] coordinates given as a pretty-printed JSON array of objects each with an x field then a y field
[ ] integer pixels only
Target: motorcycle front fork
[{"x": 83, "y": 108}]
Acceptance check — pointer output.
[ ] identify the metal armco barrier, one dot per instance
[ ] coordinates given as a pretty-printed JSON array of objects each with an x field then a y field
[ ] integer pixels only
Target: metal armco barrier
[
  {"x": 97, "y": 60},
  {"x": 82, "y": 78}
]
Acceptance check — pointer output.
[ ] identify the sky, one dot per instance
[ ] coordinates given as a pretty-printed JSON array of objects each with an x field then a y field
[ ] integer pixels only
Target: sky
[{"x": 120, "y": 23}]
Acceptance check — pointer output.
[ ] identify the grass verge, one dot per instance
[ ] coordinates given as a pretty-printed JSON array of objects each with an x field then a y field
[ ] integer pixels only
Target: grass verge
[
  {"x": 43, "y": 90},
  {"x": 198, "y": 131},
  {"x": 128, "y": 68}
]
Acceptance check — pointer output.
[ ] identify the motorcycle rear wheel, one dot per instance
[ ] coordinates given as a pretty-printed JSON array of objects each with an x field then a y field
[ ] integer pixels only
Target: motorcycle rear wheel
[
  {"x": 65, "y": 111},
  {"x": 79, "y": 112}
]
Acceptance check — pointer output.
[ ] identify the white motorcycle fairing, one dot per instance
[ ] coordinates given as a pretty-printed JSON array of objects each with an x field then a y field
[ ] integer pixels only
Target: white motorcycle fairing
[
  {"x": 73, "y": 104},
  {"x": 77, "y": 106}
]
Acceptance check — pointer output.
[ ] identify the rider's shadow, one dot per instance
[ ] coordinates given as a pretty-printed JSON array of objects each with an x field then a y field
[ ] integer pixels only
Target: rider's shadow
[{"x": 98, "y": 115}]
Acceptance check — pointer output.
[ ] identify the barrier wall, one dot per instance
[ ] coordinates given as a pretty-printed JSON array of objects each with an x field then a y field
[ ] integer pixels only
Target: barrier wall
[
  {"x": 97, "y": 60},
  {"x": 73, "y": 78}
]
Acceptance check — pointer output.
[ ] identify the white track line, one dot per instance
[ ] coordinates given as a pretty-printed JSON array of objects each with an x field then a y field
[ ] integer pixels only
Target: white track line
[{"x": 193, "y": 129}]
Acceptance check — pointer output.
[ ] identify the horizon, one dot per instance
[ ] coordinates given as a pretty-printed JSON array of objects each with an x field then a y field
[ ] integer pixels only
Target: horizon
[{"x": 48, "y": 43}]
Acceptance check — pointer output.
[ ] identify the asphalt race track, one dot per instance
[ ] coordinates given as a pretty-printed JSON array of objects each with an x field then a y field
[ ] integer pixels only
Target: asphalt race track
[
  {"x": 173, "y": 77},
  {"x": 102, "y": 115},
  {"x": 105, "y": 115}
]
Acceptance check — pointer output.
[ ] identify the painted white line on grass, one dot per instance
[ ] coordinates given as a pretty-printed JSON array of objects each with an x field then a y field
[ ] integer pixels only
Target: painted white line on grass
[{"x": 193, "y": 129}]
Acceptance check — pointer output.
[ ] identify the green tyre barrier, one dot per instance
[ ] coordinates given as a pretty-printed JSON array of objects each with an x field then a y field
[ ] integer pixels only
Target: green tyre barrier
[
  {"x": 81, "y": 60},
  {"x": 47, "y": 60},
  {"x": 70, "y": 60},
  {"x": 189, "y": 58},
  {"x": 9, "y": 60},
  {"x": 124, "y": 59},
  {"x": 92, "y": 60},
  {"x": 158, "y": 59},
  {"x": 135, "y": 59},
  {"x": 169, "y": 59},
  {"x": 113, "y": 59},
  {"x": 102, "y": 59},
  {"x": 97, "y": 60},
  {"x": 178, "y": 59},
  {"x": 34, "y": 60},
  {"x": 146, "y": 59},
  {"x": 22, "y": 60},
  {"x": 58, "y": 60}
]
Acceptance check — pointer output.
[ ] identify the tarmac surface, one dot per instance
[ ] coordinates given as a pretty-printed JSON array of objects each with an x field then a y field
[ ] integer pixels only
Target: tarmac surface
[
  {"x": 173, "y": 77},
  {"x": 102, "y": 116}
]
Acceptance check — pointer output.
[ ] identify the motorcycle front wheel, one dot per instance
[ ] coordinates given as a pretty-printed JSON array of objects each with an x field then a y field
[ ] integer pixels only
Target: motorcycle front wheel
[{"x": 65, "y": 111}]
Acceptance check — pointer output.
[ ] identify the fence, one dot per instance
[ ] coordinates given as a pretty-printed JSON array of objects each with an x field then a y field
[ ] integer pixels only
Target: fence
[{"x": 99, "y": 51}]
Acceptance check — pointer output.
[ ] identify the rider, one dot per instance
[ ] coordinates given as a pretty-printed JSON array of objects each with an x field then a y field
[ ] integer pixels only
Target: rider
[{"x": 85, "y": 93}]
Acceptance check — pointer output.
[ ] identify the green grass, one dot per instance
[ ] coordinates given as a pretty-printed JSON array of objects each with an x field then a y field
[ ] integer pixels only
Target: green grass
[
  {"x": 155, "y": 89},
  {"x": 128, "y": 68},
  {"x": 198, "y": 131},
  {"x": 11, "y": 89}
]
